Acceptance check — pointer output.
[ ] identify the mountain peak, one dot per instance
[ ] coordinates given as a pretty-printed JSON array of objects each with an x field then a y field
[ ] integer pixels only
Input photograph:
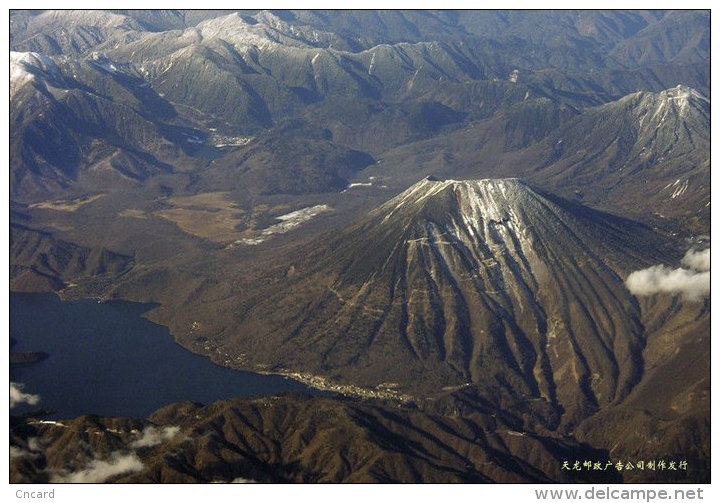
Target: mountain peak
[
  {"x": 679, "y": 98},
  {"x": 234, "y": 27},
  {"x": 485, "y": 199},
  {"x": 684, "y": 92},
  {"x": 25, "y": 66},
  {"x": 677, "y": 103},
  {"x": 494, "y": 187}
]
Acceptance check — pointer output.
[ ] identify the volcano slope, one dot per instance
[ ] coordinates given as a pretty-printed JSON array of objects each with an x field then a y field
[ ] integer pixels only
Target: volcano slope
[{"x": 485, "y": 285}]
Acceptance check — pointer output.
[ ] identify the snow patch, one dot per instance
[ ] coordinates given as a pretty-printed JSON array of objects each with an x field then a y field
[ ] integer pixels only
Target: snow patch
[
  {"x": 191, "y": 138},
  {"x": 233, "y": 28},
  {"x": 288, "y": 222},
  {"x": 231, "y": 141},
  {"x": 679, "y": 188},
  {"x": 101, "y": 60},
  {"x": 295, "y": 218},
  {"x": 360, "y": 184}
]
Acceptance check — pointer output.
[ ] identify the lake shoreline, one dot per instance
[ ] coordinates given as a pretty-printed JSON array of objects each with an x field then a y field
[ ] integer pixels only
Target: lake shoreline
[
  {"x": 108, "y": 359},
  {"x": 318, "y": 382}
]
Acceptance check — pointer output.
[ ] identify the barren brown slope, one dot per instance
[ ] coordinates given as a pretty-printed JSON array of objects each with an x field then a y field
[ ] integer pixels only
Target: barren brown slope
[{"x": 293, "y": 439}]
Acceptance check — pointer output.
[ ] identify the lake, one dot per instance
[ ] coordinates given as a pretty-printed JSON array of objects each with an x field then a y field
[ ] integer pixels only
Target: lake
[{"x": 106, "y": 359}]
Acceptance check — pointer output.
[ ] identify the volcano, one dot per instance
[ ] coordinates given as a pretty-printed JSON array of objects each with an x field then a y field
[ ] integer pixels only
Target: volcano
[{"x": 486, "y": 284}]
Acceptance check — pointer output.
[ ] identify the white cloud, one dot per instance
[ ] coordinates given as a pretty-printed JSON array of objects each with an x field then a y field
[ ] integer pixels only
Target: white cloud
[
  {"x": 33, "y": 447},
  {"x": 17, "y": 396},
  {"x": 18, "y": 453},
  {"x": 692, "y": 283},
  {"x": 242, "y": 480},
  {"x": 101, "y": 470},
  {"x": 154, "y": 436},
  {"x": 697, "y": 260},
  {"x": 33, "y": 443}
]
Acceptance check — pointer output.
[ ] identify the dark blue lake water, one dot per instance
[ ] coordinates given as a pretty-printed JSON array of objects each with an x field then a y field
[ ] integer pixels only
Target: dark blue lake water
[{"x": 106, "y": 359}]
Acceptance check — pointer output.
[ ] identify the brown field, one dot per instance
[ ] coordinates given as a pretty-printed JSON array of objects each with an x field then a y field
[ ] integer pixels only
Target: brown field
[
  {"x": 131, "y": 213},
  {"x": 210, "y": 216},
  {"x": 214, "y": 217},
  {"x": 66, "y": 205}
]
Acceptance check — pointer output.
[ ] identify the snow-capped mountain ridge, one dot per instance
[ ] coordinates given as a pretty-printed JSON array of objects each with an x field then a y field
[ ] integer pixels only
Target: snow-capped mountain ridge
[
  {"x": 25, "y": 67},
  {"x": 678, "y": 103}
]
